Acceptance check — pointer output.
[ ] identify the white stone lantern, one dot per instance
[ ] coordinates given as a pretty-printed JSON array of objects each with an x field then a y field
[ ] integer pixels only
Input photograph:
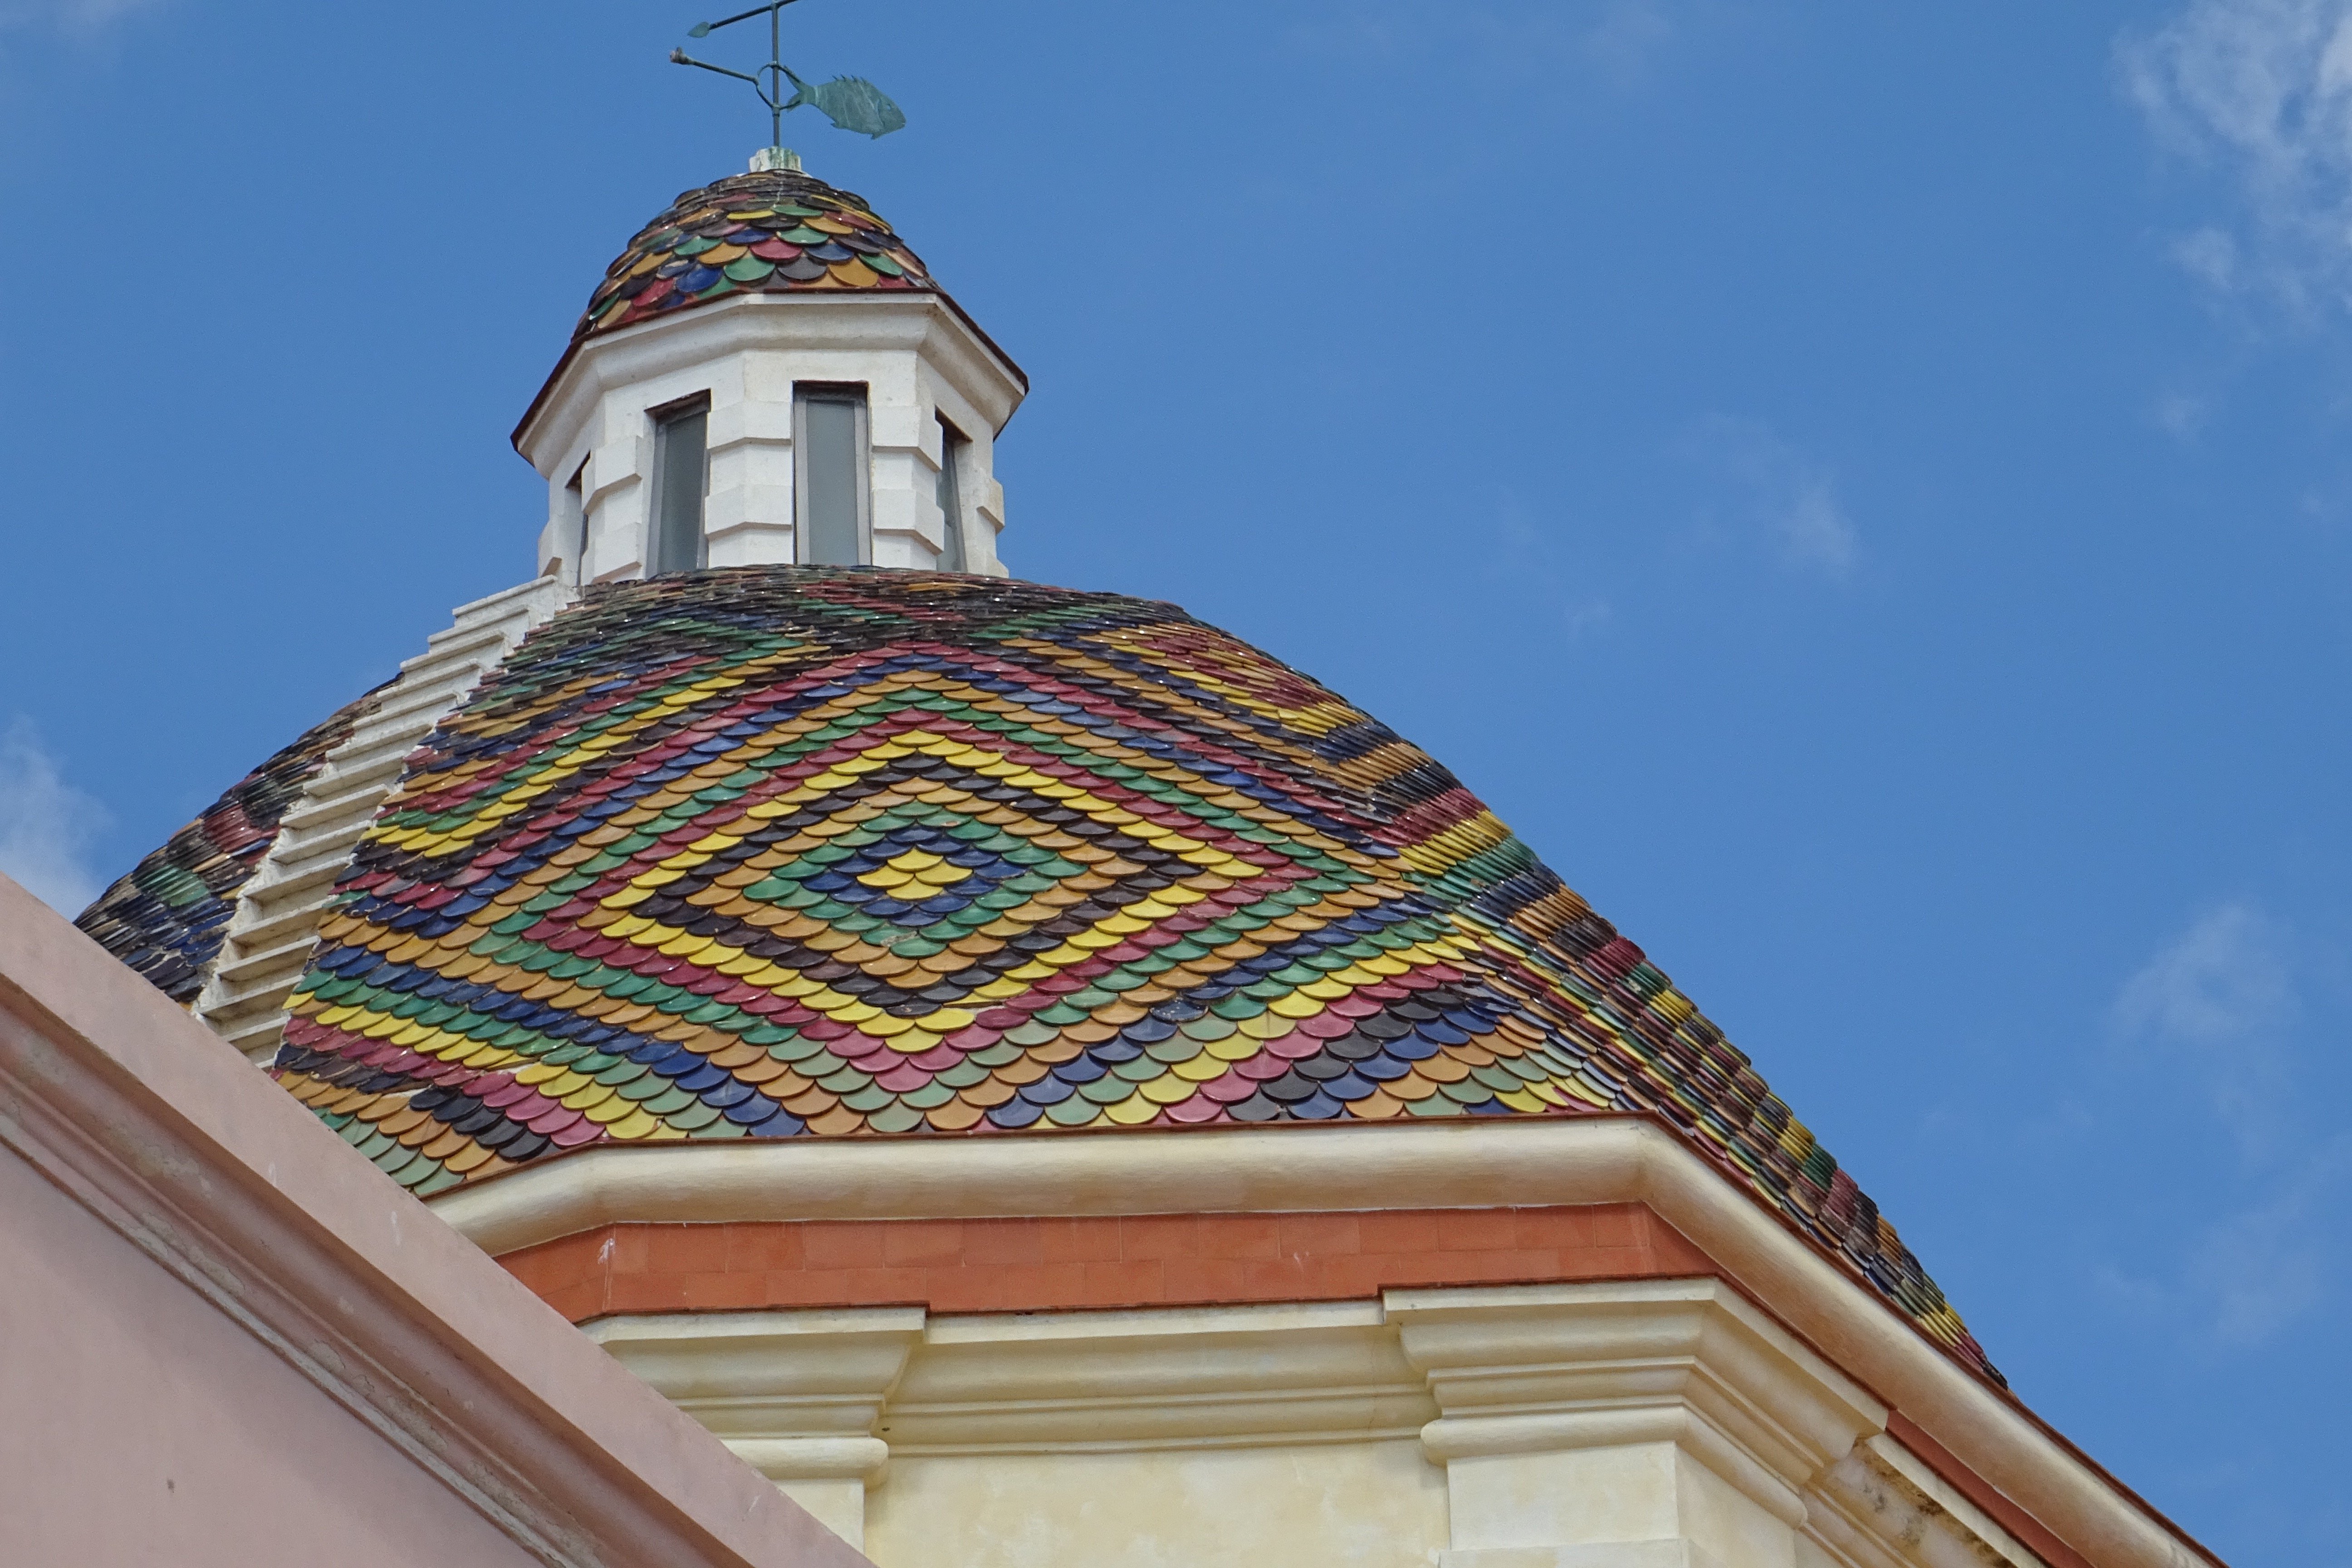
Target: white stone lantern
[{"x": 775, "y": 425}]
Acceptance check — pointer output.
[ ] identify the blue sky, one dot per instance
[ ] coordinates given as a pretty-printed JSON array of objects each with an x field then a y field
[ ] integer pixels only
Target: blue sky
[{"x": 1865, "y": 490}]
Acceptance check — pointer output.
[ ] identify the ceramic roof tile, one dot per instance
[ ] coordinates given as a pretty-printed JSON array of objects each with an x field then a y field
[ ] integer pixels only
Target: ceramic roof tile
[
  {"x": 774, "y": 232},
  {"x": 787, "y": 852},
  {"x": 167, "y": 917}
]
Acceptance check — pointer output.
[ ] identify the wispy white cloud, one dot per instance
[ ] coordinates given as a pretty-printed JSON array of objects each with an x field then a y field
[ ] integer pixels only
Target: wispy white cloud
[
  {"x": 2262, "y": 89},
  {"x": 73, "y": 17},
  {"x": 2209, "y": 256},
  {"x": 2182, "y": 414},
  {"x": 1588, "y": 616},
  {"x": 2217, "y": 1008},
  {"x": 2222, "y": 979},
  {"x": 1776, "y": 488},
  {"x": 1627, "y": 38},
  {"x": 1815, "y": 529},
  {"x": 1531, "y": 559},
  {"x": 46, "y": 826},
  {"x": 2217, "y": 1001},
  {"x": 2260, "y": 1268}
]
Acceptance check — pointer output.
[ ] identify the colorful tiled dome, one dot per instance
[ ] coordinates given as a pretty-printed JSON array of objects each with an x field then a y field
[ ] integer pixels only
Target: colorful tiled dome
[
  {"x": 766, "y": 232},
  {"x": 167, "y": 917},
  {"x": 799, "y": 852}
]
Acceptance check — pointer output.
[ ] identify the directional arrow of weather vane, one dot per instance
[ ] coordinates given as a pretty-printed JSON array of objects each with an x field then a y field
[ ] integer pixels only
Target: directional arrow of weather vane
[{"x": 851, "y": 103}]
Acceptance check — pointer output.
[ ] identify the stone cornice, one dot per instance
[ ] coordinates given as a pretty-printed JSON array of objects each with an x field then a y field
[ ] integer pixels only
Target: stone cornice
[
  {"x": 1469, "y": 1165},
  {"x": 163, "y": 1133},
  {"x": 1882, "y": 1507},
  {"x": 1525, "y": 1369},
  {"x": 1488, "y": 1373},
  {"x": 911, "y": 322}
]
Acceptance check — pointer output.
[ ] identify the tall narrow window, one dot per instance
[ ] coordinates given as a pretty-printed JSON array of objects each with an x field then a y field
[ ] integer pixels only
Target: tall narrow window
[
  {"x": 829, "y": 473},
  {"x": 575, "y": 507},
  {"x": 951, "y": 446},
  {"x": 681, "y": 478}
]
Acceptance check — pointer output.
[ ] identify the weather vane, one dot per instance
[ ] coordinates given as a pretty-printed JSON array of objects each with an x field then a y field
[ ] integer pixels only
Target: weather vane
[{"x": 851, "y": 103}]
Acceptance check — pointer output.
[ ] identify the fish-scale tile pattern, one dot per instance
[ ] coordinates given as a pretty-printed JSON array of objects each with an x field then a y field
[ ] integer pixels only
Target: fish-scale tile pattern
[
  {"x": 783, "y": 852},
  {"x": 167, "y": 917},
  {"x": 752, "y": 233}
]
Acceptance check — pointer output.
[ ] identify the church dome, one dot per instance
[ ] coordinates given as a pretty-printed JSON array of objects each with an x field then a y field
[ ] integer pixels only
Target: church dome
[
  {"x": 791, "y": 852},
  {"x": 167, "y": 917},
  {"x": 768, "y": 231}
]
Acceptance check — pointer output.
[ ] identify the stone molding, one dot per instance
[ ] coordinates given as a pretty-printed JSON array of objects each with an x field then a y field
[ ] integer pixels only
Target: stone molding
[
  {"x": 796, "y": 1395},
  {"x": 279, "y": 909},
  {"x": 821, "y": 1402},
  {"x": 858, "y": 322},
  {"x": 1556, "y": 1383},
  {"x": 1485, "y": 1163},
  {"x": 128, "y": 1106},
  {"x": 1158, "y": 1379},
  {"x": 917, "y": 355},
  {"x": 1583, "y": 1390},
  {"x": 1883, "y": 1506}
]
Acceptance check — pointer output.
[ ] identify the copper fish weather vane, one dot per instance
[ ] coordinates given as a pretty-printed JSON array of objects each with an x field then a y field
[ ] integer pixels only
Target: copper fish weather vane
[{"x": 851, "y": 103}]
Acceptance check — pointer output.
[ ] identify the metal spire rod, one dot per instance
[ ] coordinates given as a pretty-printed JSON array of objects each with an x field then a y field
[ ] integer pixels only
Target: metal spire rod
[
  {"x": 850, "y": 103},
  {"x": 770, "y": 81}
]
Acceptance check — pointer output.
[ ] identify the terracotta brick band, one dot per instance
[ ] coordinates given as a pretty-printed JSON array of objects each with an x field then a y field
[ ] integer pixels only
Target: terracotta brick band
[
  {"x": 1099, "y": 1262},
  {"x": 1067, "y": 1264}
]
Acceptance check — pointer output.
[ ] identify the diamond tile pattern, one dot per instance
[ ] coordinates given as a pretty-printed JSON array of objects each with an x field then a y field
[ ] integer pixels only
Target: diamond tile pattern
[
  {"x": 786, "y": 852},
  {"x": 167, "y": 918},
  {"x": 753, "y": 233}
]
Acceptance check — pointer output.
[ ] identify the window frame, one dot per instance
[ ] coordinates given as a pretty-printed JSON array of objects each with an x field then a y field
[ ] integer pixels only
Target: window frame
[
  {"x": 857, "y": 395},
  {"x": 664, "y": 418},
  {"x": 955, "y": 542},
  {"x": 575, "y": 491}
]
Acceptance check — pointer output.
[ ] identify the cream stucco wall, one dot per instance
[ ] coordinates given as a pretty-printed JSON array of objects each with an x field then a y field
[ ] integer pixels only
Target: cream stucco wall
[
  {"x": 1840, "y": 1509},
  {"x": 1629, "y": 1424},
  {"x": 1354, "y": 1505}
]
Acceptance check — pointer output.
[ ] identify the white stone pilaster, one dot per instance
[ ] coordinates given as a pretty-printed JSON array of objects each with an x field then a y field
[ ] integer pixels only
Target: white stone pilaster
[
  {"x": 1624, "y": 1425},
  {"x": 617, "y": 486},
  {"x": 748, "y": 516},
  {"x": 795, "y": 1394},
  {"x": 1645, "y": 1424}
]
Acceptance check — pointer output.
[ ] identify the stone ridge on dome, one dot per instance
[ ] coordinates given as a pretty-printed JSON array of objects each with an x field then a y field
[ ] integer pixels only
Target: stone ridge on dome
[
  {"x": 770, "y": 852},
  {"x": 778, "y": 231},
  {"x": 166, "y": 919}
]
